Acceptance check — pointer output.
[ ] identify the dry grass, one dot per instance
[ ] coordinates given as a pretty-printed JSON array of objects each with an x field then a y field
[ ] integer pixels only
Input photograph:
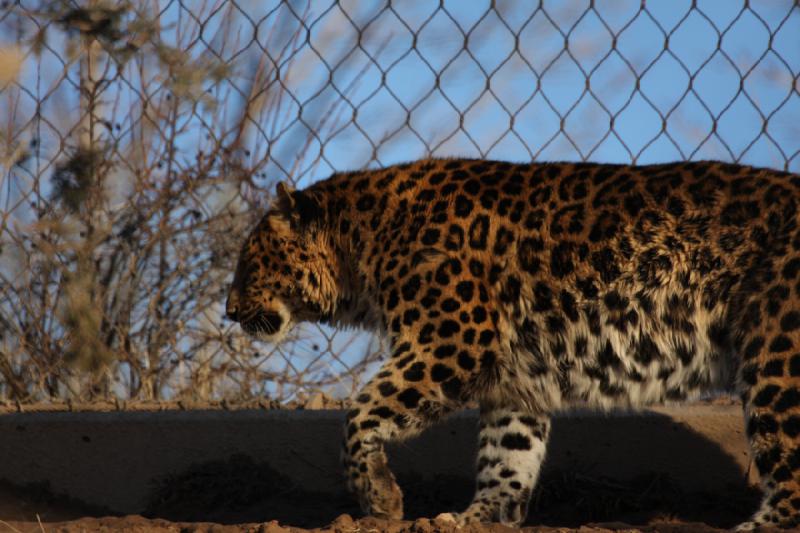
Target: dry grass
[{"x": 11, "y": 58}]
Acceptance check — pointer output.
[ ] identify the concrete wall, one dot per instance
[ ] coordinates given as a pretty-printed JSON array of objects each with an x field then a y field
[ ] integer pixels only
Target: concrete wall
[{"x": 113, "y": 459}]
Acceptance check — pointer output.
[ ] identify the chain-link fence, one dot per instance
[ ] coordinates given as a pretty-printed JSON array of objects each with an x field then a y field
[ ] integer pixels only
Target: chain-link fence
[{"x": 139, "y": 140}]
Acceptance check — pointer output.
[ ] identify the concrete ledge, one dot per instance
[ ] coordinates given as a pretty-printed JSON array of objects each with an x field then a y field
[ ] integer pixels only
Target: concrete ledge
[{"x": 115, "y": 459}]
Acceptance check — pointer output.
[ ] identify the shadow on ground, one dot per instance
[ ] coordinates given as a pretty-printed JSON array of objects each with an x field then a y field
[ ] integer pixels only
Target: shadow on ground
[{"x": 243, "y": 489}]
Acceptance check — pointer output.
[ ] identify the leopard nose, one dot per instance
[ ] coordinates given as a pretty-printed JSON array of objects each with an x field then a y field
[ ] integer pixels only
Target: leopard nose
[
  {"x": 232, "y": 306},
  {"x": 271, "y": 322}
]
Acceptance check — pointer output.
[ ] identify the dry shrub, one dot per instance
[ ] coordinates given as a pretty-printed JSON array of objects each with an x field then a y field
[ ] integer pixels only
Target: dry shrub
[{"x": 124, "y": 212}]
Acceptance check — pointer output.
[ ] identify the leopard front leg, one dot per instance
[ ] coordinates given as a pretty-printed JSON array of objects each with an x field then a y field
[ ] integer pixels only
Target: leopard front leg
[
  {"x": 511, "y": 451},
  {"x": 445, "y": 350},
  {"x": 366, "y": 465},
  {"x": 398, "y": 403}
]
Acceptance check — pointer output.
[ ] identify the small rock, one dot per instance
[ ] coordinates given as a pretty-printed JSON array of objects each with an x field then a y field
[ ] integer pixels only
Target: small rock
[{"x": 344, "y": 524}]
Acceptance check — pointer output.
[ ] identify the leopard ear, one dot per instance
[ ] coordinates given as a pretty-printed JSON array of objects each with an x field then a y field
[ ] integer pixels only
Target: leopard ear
[
  {"x": 299, "y": 207},
  {"x": 283, "y": 195}
]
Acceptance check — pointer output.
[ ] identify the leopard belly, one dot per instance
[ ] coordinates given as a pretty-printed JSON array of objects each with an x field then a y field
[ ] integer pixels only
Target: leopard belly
[{"x": 629, "y": 349}]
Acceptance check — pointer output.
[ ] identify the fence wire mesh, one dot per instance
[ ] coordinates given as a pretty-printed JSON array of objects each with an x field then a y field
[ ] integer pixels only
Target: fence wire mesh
[{"x": 140, "y": 139}]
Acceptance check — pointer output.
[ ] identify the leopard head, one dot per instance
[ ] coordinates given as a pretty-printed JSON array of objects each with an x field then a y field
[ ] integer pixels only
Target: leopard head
[{"x": 285, "y": 272}]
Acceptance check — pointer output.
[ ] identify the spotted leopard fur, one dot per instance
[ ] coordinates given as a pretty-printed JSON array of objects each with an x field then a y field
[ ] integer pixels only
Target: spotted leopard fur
[{"x": 535, "y": 288}]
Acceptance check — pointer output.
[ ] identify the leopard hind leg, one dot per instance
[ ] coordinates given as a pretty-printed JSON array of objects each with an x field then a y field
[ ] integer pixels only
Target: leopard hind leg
[{"x": 770, "y": 377}]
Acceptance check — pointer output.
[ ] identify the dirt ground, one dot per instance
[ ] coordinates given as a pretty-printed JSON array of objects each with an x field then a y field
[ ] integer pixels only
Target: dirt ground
[{"x": 242, "y": 495}]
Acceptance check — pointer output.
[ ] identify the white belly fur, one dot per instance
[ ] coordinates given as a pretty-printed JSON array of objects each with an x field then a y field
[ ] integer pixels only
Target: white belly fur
[{"x": 572, "y": 380}]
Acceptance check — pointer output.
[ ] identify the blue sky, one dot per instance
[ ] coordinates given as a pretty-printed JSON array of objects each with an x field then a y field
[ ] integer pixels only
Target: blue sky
[
  {"x": 508, "y": 82},
  {"x": 528, "y": 62}
]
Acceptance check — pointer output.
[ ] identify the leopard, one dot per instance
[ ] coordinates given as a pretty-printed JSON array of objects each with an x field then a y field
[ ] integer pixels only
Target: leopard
[{"x": 530, "y": 289}]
